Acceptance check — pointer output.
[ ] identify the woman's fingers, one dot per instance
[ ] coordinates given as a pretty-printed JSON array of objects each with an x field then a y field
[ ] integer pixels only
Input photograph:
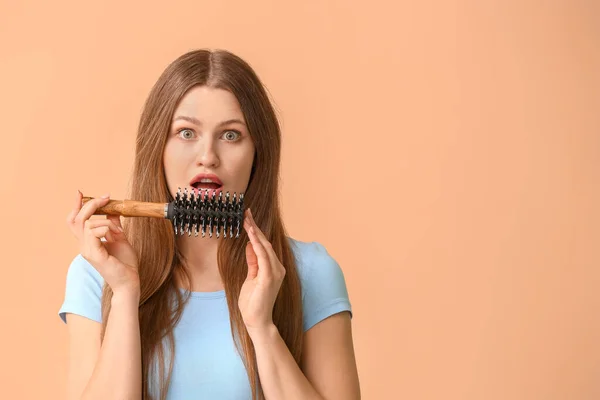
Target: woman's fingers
[
  {"x": 80, "y": 214},
  {"x": 75, "y": 210},
  {"x": 89, "y": 208},
  {"x": 115, "y": 219},
  {"x": 96, "y": 230},
  {"x": 258, "y": 247},
  {"x": 259, "y": 233},
  {"x": 92, "y": 247},
  {"x": 252, "y": 261},
  {"x": 103, "y": 243},
  {"x": 276, "y": 268},
  {"x": 261, "y": 254},
  {"x": 262, "y": 238},
  {"x": 95, "y": 223},
  {"x": 263, "y": 249}
]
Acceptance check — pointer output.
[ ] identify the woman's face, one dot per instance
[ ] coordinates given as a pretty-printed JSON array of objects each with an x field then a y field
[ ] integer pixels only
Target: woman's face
[{"x": 208, "y": 136}]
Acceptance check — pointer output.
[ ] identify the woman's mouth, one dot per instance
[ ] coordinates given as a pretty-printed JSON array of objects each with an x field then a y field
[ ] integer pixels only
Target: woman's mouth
[{"x": 206, "y": 184}]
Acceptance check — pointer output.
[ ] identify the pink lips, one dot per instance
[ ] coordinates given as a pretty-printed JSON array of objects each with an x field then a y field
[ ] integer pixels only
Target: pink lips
[
  {"x": 212, "y": 177},
  {"x": 203, "y": 192}
]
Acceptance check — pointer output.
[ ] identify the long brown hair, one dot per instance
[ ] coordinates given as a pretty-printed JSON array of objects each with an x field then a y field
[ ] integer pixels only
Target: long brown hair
[{"x": 161, "y": 303}]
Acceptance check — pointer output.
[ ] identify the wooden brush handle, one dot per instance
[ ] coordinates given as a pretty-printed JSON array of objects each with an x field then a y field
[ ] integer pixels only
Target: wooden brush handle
[{"x": 130, "y": 208}]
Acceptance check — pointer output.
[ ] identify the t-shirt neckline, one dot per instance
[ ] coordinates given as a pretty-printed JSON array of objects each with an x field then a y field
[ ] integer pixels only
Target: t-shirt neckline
[{"x": 205, "y": 295}]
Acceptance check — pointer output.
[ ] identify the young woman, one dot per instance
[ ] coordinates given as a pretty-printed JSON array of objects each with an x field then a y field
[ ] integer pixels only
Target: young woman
[{"x": 154, "y": 315}]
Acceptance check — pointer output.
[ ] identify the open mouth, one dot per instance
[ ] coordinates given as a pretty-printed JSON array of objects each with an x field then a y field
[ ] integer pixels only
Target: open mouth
[{"x": 206, "y": 185}]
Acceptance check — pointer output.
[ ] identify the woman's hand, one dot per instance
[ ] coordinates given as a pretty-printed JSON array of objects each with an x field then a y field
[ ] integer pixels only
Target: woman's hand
[
  {"x": 114, "y": 258},
  {"x": 265, "y": 275}
]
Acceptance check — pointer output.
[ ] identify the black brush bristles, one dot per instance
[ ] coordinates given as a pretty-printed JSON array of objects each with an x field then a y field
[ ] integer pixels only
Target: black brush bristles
[{"x": 206, "y": 213}]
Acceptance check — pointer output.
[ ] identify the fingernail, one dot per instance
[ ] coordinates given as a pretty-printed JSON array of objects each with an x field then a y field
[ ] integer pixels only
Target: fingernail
[
  {"x": 105, "y": 196},
  {"x": 120, "y": 229}
]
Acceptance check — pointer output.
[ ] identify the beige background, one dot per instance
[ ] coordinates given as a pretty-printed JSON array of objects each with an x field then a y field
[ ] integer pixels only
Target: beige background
[{"x": 445, "y": 152}]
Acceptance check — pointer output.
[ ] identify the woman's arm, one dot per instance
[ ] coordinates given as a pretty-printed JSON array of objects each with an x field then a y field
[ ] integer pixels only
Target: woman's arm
[
  {"x": 328, "y": 353},
  {"x": 328, "y": 362},
  {"x": 112, "y": 370}
]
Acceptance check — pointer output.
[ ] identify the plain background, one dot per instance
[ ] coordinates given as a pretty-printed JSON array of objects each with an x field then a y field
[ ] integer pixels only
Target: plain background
[{"x": 445, "y": 152}]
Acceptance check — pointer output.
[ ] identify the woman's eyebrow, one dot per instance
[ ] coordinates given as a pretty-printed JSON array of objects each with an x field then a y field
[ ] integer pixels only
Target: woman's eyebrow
[
  {"x": 193, "y": 120},
  {"x": 232, "y": 121},
  {"x": 197, "y": 122}
]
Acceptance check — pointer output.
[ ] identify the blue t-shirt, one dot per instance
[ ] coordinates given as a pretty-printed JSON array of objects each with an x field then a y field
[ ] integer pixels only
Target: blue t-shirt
[{"x": 206, "y": 363}]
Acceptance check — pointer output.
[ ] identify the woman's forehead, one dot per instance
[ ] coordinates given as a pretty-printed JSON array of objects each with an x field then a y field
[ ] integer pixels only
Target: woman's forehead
[{"x": 209, "y": 103}]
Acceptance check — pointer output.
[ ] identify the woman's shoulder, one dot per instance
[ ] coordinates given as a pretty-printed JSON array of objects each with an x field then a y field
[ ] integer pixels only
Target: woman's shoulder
[
  {"x": 312, "y": 257},
  {"x": 303, "y": 248},
  {"x": 80, "y": 269},
  {"x": 83, "y": 290},
  {"x": 324, "y": 290}
]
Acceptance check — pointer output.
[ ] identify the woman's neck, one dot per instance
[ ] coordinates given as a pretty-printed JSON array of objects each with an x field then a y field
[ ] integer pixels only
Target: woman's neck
[{"x": 200, "y": 256}]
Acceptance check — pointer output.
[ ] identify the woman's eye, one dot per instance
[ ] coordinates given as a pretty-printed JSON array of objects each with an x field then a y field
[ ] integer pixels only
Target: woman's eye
[
  {"x": 186, "y": 133},
  {"x": 232, "y": 135}
]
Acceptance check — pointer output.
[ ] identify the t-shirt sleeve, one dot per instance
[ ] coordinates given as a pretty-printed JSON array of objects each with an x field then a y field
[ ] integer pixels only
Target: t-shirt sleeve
[
  {"x": 324, "y": 291},
  {"x": 83, "y": 291}
]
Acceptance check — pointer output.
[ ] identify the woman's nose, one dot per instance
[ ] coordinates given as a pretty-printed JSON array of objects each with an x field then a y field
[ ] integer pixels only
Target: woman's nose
[{"x": 208, "y": 155}]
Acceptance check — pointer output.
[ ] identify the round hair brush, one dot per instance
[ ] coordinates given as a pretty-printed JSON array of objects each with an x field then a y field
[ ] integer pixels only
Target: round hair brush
[{"x": 187, "y": 212}]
